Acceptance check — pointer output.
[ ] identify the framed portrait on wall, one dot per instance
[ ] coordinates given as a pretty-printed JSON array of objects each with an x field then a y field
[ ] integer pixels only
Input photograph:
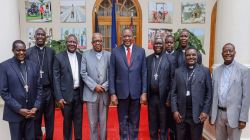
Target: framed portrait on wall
[
  {"x": 73, "y": 11},
  {"x": 200, "y": 33},
  {"x": 38, "y": 10},
  {"x": 193, "y": 11},
  {"x": 80, "y": 33},
  {"x": 160, "y": 11},
  {"x": 152, "y": 33}
]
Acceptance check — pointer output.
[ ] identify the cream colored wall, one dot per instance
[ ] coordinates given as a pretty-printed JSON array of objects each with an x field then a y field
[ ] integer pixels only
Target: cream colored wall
[{"x": 56, "y": 24}]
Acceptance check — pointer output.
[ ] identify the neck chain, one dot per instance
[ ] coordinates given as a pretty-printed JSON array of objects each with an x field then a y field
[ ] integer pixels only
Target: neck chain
[
  {"x": 25, "y": 80},
  {"x": 156, "y": 73},
  {"x": 41, "y": 63}
]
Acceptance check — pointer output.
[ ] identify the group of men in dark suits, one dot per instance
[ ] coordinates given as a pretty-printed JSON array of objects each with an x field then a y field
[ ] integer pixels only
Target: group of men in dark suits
[{"x": 177, "y": 88}]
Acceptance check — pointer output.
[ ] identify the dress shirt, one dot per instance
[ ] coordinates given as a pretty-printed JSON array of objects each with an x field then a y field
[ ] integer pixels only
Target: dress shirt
[
  {"x": 74, "y": 67},
  {"x": 169, "y": 52},
  {"x": 99, "y": 55},
  {"x": 131, "y": 49},
  {"x": 224, "y": 84}
]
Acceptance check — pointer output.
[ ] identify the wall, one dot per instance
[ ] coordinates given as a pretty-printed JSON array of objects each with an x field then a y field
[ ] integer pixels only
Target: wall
[{"x": 176, "y": 24}]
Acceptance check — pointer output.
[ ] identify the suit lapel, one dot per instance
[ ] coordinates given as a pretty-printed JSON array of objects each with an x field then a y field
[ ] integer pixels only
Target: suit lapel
[
  {"x": 150, "y": 67},
  {"x": 67, "y": 61},
  {"x": 29, "y": 72},
  {"x": 17, "y": 70},
  {"x": 123, "y": 54},
  {"x": 232, "y": 76},
  {"x": 184, "y": 75},
  {"x": 197, "y": 70},
  {"x": 134, "y": 51}
]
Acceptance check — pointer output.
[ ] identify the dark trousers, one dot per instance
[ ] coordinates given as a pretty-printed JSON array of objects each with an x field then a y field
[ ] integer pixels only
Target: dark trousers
[
  {"x": 171, "y": 129},
  {"x": 129, "y": 115},
  {"x": 72, "y": 115},
  {"x": 23, "y": 130},
  {"x": 157, "y": 118},
  {"x": 188, "y": 130},
  {"x": 47, "y": 110}
]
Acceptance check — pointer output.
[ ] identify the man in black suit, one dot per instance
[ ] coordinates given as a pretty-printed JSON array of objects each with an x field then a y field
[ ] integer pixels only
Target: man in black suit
[
  {"x": 180, "y": 52},
  {"x": 171, "y": 53},
  {"x": 21, "y": 91},
  {"x": 68, "y": 88},
  {"x": 160, "y": 74},
  {"x": 44, "y": 57},
  {"x": 191, "y": 97}
]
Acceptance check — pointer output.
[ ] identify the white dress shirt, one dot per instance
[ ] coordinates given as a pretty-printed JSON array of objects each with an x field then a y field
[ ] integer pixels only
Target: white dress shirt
[
  {"x": 74, "y": 68},
  {"x": 131, "y": 48}
]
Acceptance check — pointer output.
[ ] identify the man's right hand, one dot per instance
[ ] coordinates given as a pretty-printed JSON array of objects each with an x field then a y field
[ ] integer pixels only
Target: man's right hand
[
  {"x": 114, "y": 100},
  {"x": 99, "y": 89},
  {"x": 61, "y": 103},
  {"x": 177, "y": 117},
  {"x": 24, "y": 112}
]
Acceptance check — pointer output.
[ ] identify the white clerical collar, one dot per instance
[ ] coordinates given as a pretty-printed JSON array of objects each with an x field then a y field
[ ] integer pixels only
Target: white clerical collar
[{"x": 41, "y": 48}]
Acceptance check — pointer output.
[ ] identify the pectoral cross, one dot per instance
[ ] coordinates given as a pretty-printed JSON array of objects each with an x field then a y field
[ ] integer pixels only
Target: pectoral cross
[
  {"x": 41, "y": 73},
  {"x": 26, "y": 87},
  {"x": 156, "y": 76}
]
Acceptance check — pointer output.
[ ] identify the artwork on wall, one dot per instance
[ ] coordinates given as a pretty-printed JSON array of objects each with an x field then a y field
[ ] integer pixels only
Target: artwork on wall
[
  {"x": 152, "y": 33},
  {"x": 38, "y": 11},
  {"x": 200, "y": 33},
  {"x": 73, "y": 11},
  {"x": 160, "y": 11},
  {"x": 193, "y": 11},
  {"x": 31, "y": 38},
  {"x": 80, "y": 33}
]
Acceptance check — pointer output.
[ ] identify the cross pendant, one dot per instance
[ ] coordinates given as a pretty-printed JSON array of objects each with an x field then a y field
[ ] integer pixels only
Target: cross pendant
[
  {"x": 41, "y": 74},
  {"x": 26, "y": 87},
  {"x": 156, "y": 76}
]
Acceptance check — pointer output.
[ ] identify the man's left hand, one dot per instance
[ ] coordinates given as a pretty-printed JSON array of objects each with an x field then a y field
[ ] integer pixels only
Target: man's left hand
[
  {"x": 143, "y": 99},
  {"x": 203, "y": 117},
  {"x": 242, "y": 125}
]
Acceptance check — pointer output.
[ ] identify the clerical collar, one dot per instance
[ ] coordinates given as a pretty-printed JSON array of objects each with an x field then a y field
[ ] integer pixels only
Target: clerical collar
[
  {"x": 19, "y": 62},
  {"x": 170, "y": 52},
  {"x": 191, "y": 67},
  {"x": 41, "y": 48},
  {"x": 158, "y": 55}
]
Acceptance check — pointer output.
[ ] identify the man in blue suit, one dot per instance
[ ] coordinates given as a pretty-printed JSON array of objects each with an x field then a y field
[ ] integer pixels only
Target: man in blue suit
[
  {"x": 21, "y": 91},
  {"x": 128, "y": 84}
]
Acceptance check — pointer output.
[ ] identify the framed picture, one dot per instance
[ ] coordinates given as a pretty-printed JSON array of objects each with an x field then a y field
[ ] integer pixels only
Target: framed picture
[
  {"x": 193, "y": 11},
  {"x": 160, "y": 11},
  {"x": 73, "y": 11},
  {"x": 31, "y": 33},
  {"x": 38, "y": 10},
  {"x": 152, "y": 33},
  {"x": 200, "y": 33},
  {"x": 80, "y": 33}
]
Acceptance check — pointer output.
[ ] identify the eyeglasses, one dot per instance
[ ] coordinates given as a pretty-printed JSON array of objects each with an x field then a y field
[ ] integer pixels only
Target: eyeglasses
[{"x": 97, "y": 41}]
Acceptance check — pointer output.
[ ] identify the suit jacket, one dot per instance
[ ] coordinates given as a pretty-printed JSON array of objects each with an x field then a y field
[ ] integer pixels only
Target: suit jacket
[
  {"x": 91, "y": 75},
  {"x": 166, "y": 75},
  {"x": 13, "y": 92},
  {"x": 50, "y": 54},
  {"x": 128, "y": 80},
  {"x": 201, "y": 91},
  {"x": 63, "y": 78},
  {"x": 180, "y": 58},
  {"x": 238, "y": 96}
]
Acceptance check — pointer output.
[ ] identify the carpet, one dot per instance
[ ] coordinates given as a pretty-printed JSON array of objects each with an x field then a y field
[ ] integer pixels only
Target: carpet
[{"x": 112, "y": 125}]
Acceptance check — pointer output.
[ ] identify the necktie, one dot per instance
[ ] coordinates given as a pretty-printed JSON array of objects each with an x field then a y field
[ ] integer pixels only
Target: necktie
[{"x": 128, "y": 56}]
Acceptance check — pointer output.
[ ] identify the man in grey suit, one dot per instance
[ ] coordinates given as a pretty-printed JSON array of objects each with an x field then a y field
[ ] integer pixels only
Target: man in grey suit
[
  {"x": 231, "y": 96},
  {"x": 191, "y": 97},
  {"x": 68, "y": 88},
  {"x": 94, "y": 72}
]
